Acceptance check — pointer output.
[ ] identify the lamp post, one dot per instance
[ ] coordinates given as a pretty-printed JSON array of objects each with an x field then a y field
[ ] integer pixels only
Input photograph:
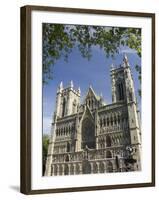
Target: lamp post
[{"x": 129, "y": 160}]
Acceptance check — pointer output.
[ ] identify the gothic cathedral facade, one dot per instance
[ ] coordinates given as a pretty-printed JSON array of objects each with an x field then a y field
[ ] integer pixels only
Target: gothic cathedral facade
[{"x": 95, "y": 137}]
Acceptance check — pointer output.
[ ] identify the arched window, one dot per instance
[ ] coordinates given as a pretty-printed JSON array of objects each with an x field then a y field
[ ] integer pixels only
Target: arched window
[
  {"x": 100, "y": 122},
  {"x": 55, "y": 170},
  {"x": 108, "y": 141},
  {"x": 60, "y": 169},
  {"x": 56, "y": 132},
  {"x": 130, "y": 96},
  {"x": 77, "y": 169},
  {"x": 63, "y": 107},
  {"x": 104, "y": 122},
  {"x": 115, "y": 120},
  {"x": 71, "y": 169},
  {"x": 121, "y": 91},
  {"x": 95, "y": 168},
  {"x": 118, "y": 119},
  {"x": 88, "y": 133},
  {"x": 109, "y": 167},
  {"x": 89, "y": 103},
  {"x": 86, "y": 167},
  {"x": 71, "y": 129},
  {"x": 61, "y": 132},
  {"x": 66, "y": 130},
  {"x": 66, "y": 170},
  {"x": 107, "y": 121},
  {"x": 101, "y": 167},
  {"x": 68, "y": 147},
  {"x": 74, "y": 106},
  {"x": 108, "y": 154},
  {"x": 67, "y": 159},
  {"x": 111, "y": 120},
  {"x": 117, "y": 162},
  {"x": 92, "y": 103}
]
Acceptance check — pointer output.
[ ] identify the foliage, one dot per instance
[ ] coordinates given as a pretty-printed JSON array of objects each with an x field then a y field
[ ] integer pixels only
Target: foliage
[
  {"x": 59, "y": 41},
  {"x": 45, "y": 144}
]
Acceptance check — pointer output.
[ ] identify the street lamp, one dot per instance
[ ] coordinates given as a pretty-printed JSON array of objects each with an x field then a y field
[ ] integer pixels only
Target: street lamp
[{"x": 129, "y": 160}]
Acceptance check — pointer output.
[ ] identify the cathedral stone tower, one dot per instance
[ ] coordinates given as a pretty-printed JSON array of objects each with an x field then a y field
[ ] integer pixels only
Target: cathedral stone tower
[
  {"x": 123, "y": 91},
  {"x": 67, "y": 100},
  {"x": 122, "y": 83}
]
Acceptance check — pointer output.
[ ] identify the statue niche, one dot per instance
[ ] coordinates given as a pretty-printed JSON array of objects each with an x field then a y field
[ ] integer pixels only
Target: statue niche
[{"x": 88, "y": 133}]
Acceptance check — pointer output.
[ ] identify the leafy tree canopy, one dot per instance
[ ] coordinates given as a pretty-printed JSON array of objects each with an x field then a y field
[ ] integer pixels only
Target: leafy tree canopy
[{"x": 59, "y": 40}]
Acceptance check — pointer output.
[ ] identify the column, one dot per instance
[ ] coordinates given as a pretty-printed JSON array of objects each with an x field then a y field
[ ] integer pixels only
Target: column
[
  {"x": 98, "y": 171},
  {"x": 91, "y": 167},
  {"x": 58, "y": 172},
  {"x": 69, "y": 169},
  {"x": 52, "y": 170},
  {"x": 80, "y": 166},
  {"x": 63, "y": 169}
]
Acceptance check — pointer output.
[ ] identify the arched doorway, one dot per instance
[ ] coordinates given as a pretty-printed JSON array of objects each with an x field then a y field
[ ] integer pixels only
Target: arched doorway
[
  {"x": 108, "y": 141},
  {"x": 77, "y": 169},
  {"x": 71, "y": 169},
  {"x": 66, "y": 170},
  {"x": 95, "y": 168},
  {"x": 101, "y": 167},
  {"x": 67, "y": 158},
  {"x": 108, "y": 154},
  {"x": 86, "y": 167},
  {"x": 55, "y": 170},
  {"x": 60, "y": 169},
  {"x": 109, "y": 167},
  {"x": 88, "y": 133},
  {"x": 68, "y": 149}
]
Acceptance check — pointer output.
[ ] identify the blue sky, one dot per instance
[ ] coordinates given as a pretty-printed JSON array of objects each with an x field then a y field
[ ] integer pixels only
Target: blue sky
[{"x": 95, "y": 72}]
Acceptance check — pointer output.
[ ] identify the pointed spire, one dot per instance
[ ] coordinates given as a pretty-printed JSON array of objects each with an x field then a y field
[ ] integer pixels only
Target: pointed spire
[
  {"x": 61, "y": 85},
  {"x": 125, "y": 61},
  {"x": 79, "y": 90},
  {"x": 112, "y": 67},
  {"x": 60, "y": 88},
  {"x": 71, "y": 84},
  {"x": 125, "y": 58},
  {"x": 101, "y": 95},
  {"x": 91, "y": 91}
]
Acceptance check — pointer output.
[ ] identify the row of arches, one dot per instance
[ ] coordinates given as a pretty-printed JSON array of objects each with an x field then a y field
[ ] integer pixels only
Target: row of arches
[
  {"x": 105, "y": 141},
  {"x": 70, "y": 157},
  {"x": 65, "y": 130},
  {"x": 114, "y": 140},
  {"x": 63, "y": 148},
  {"x": 92, "y": 103},
  {"x": 113, "y": 120},
  {"x": 113, "y": 129},
  {"x": 82, "y": 168}
]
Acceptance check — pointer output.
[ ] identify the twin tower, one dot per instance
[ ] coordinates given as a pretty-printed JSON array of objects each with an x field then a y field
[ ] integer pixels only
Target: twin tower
[{"x": 68, "y": 99}]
